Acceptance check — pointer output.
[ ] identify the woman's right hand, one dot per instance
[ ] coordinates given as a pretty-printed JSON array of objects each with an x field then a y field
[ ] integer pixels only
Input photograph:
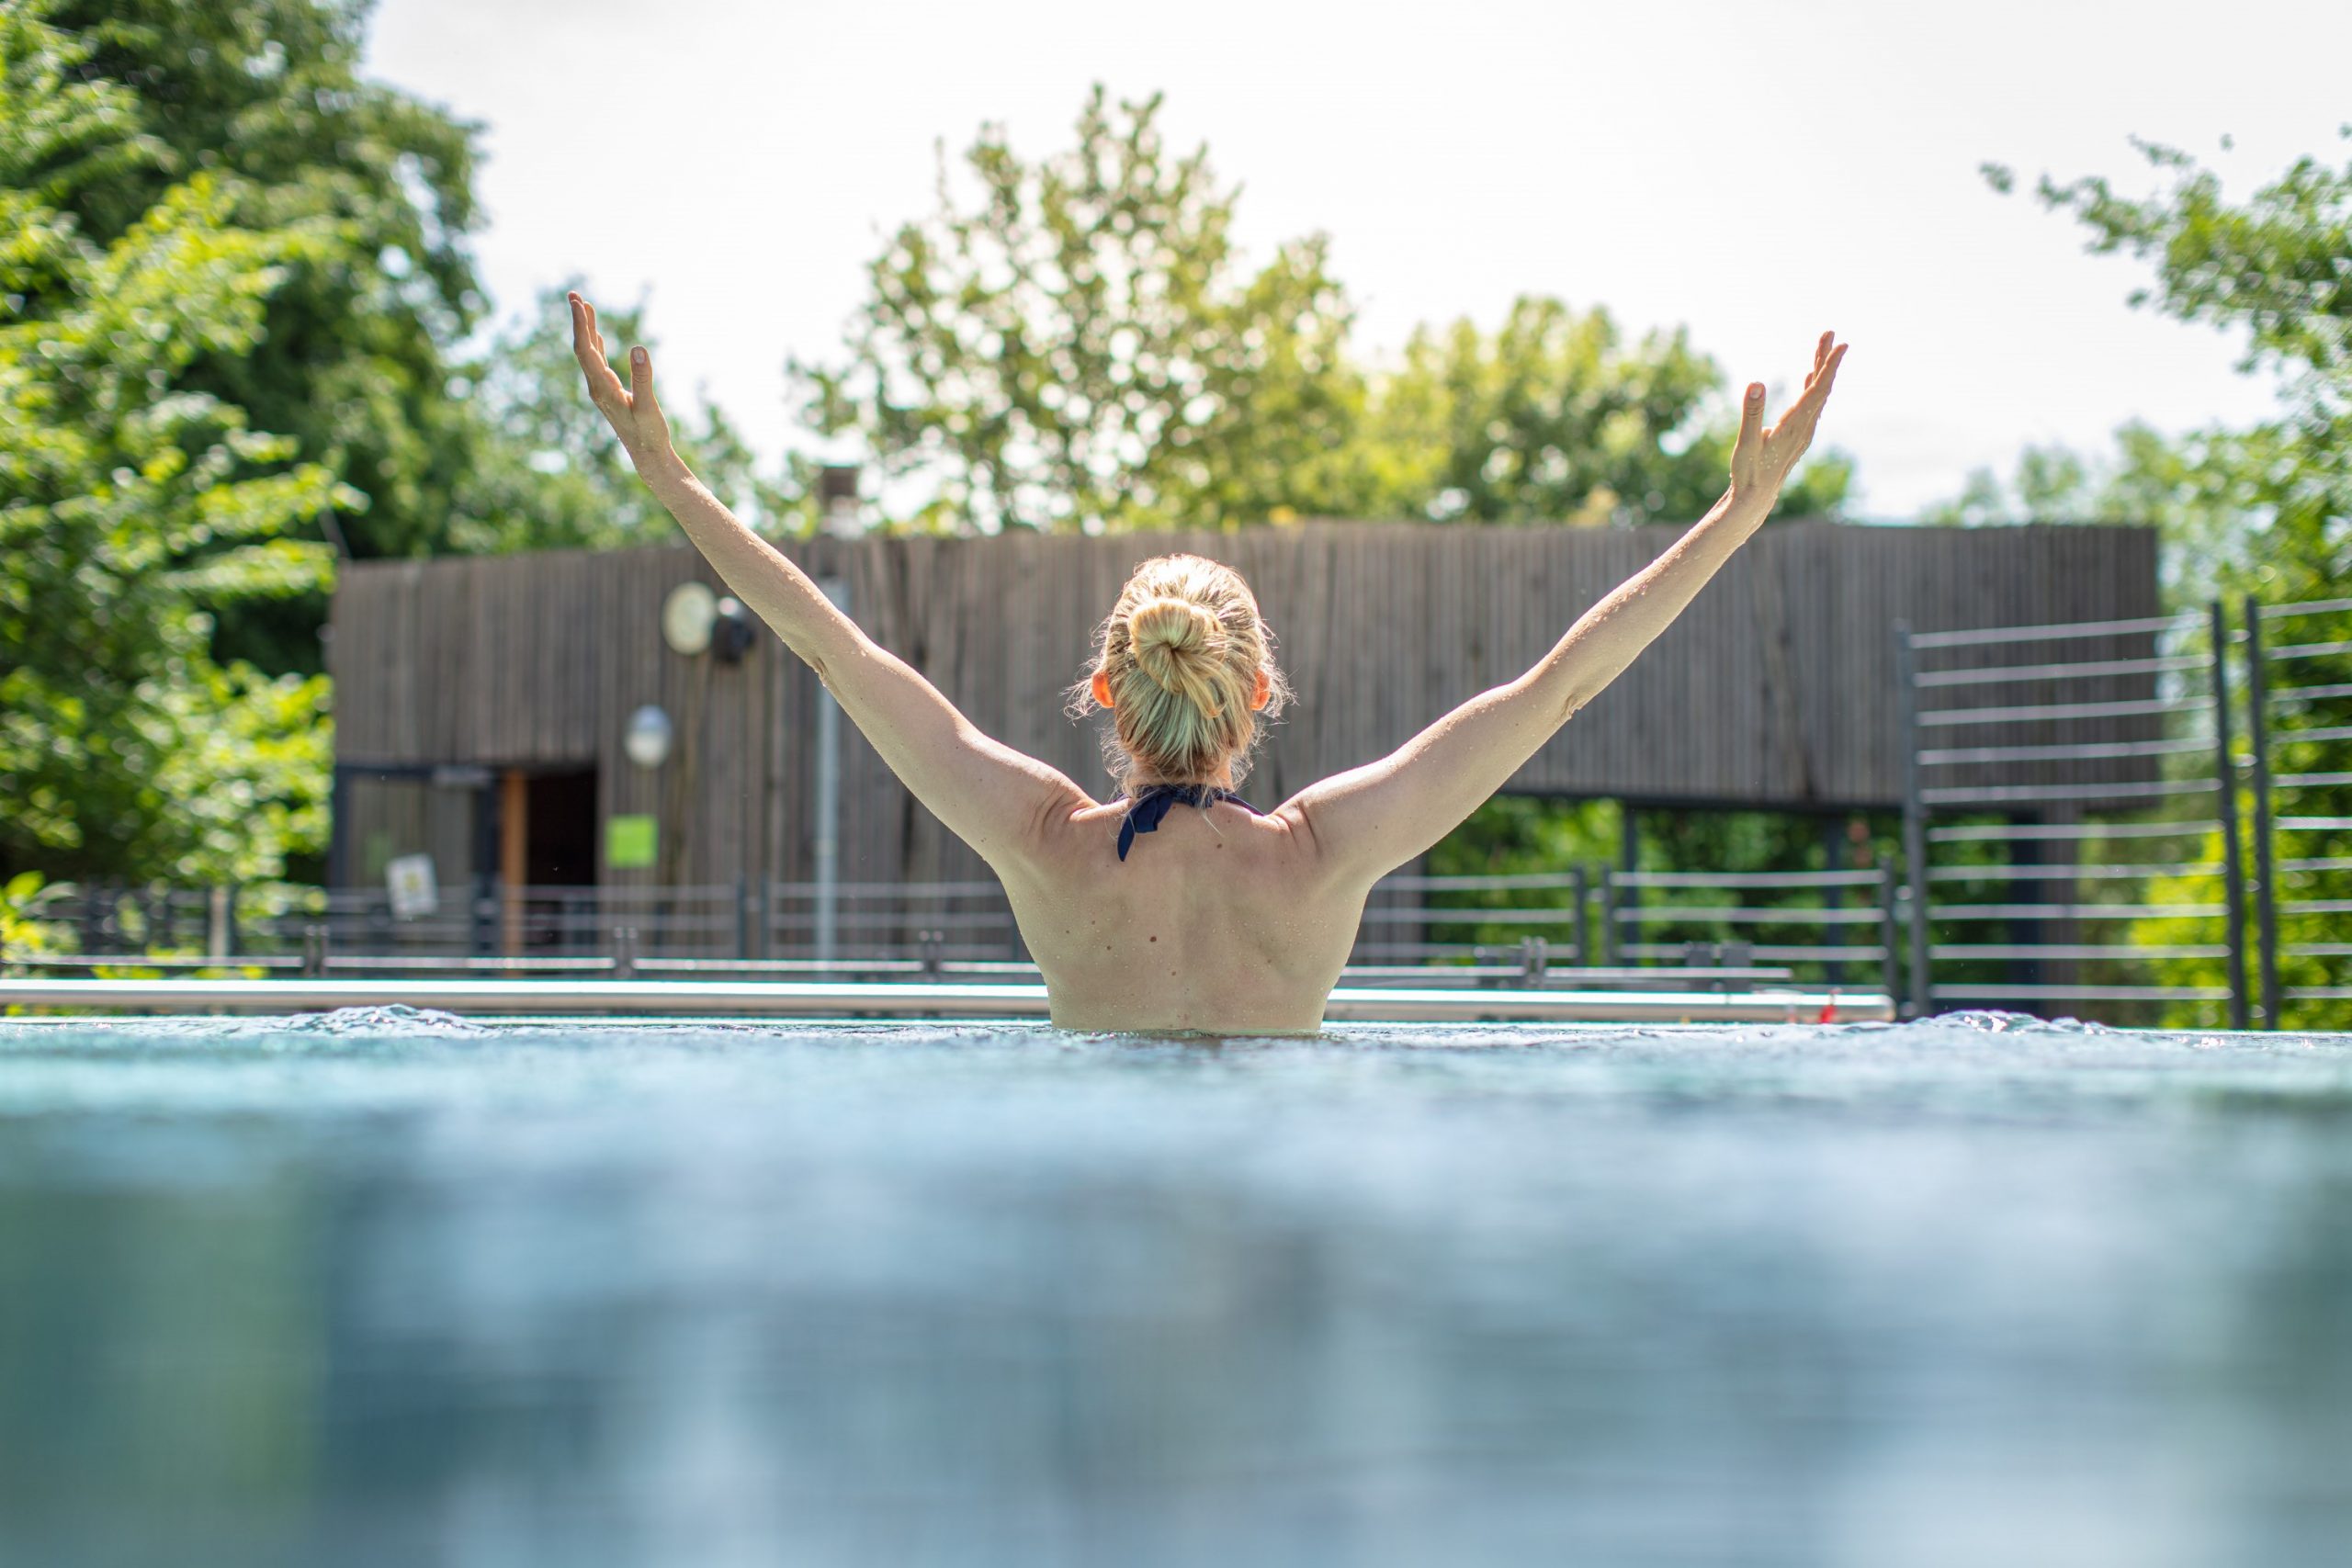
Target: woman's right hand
[
  {"x": 631, "y": 411},
  {"x": 1762, "y": 462}
]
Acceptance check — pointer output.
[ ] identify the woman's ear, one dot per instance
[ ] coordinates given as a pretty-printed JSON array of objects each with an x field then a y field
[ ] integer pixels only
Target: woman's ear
[
  {"x": 1103, "y": 688},
  {"x": 1262, "y": 693}
]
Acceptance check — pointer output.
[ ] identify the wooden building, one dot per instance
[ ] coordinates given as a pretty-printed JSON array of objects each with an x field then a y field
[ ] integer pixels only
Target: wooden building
[{"x": 511, "y": 680}]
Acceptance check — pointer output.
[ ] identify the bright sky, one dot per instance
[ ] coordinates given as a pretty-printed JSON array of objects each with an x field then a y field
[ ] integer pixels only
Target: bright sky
[{"x": 1758, "y": 172}]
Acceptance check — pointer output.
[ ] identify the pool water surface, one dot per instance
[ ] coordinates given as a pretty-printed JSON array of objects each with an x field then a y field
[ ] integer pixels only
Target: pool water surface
[{"x": 389, "y": 1287}]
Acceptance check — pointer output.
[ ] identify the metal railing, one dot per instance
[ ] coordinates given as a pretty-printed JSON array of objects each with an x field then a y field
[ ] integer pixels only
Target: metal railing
[
  {"x": 1582, "y": 926},
  {"x": 2133, "y": 814}
]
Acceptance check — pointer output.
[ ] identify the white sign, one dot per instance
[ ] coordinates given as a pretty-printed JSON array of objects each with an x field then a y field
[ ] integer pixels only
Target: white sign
[{"x": 410, "y": 878}]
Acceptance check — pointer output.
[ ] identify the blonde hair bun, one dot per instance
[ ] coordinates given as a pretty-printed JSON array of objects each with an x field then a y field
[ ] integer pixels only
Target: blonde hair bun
[
  {"x": 1176, "y": 644},
  {"x": 1183, "y": 655}
]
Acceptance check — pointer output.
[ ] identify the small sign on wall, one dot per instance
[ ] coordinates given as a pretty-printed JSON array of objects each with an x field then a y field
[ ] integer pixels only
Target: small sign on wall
[
  {"x": 410, "y": 881},
  {"x": 629, "y": 843}
]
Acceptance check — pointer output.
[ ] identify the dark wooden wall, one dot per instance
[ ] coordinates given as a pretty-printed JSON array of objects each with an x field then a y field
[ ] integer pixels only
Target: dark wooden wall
[{"x": 1776, "y": 688}]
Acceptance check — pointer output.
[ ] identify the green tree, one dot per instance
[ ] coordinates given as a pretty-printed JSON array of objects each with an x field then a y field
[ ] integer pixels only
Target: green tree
[
  {"x": 1553, "y": 419},
  {"x": 355, "y": 350},
  {"x": 129, "y": 499},
  {"x": 2269, "y": 508},
  {"x": 2211, "y": 494},
  {"x": 1079, "y": 346},
  {"x": 1075, "y": 343}
]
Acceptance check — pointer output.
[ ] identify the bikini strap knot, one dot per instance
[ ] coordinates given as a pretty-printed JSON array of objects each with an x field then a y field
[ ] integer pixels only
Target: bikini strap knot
[{"x": 1149, "y": 805}]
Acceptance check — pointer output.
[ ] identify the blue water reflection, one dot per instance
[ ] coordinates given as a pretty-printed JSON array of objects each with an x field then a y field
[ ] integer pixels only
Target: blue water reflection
[{"x": 393, "y": 1287}]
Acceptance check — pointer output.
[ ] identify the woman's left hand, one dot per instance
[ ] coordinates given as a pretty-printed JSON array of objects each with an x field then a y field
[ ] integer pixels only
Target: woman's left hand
[
  {"x": 1762, "y": 460},
  {"x": 631, "y": 411}
]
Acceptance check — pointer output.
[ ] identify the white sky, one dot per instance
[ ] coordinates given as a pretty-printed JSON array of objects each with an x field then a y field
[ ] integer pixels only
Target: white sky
[{"x": 1757, "y": 172}]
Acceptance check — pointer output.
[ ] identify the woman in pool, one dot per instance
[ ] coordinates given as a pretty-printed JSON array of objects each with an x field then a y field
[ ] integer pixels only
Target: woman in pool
[{"x": 1225, "y": 919}]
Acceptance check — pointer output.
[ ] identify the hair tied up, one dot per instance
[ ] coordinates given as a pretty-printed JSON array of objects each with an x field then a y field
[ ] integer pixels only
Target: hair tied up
[{"x": 1178, "y": 644}]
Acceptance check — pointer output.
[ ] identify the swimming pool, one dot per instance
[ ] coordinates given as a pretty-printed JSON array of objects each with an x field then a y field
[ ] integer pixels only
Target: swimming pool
[{"x": 387, "y": 1287}]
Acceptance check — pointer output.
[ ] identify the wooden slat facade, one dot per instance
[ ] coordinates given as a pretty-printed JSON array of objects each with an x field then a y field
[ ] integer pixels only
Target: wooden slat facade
[{"x": 1776, "y": 690}]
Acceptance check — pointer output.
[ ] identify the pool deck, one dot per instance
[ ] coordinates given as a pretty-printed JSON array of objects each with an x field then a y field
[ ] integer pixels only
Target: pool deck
[{"x": 790, "y": 999}]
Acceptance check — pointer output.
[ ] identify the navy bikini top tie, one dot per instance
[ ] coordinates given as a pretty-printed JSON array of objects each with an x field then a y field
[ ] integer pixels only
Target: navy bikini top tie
[{"x": 1149, "y": 804}]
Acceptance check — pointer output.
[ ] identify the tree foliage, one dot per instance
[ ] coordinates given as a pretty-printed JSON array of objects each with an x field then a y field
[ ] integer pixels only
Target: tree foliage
[
  {"x": 2269, "y": 509},
  {"x": 354, "y": 350},
  {"x": 1553, "y": 419},
  {"x": 130, "y": 497},
  {"x": 1077, "y": 344},
  {"x": 2265, "y": 511}
]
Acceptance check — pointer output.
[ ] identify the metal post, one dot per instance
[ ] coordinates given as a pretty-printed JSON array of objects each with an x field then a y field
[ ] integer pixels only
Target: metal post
[
  {"x": 339, "y": 829},
  {"x": 827, "y": 844},
  {"x": 1922, "y": 1000},
  {"x": 2226, "y": 786},
  {"x": 1890, "y": 972},
  {"x": 1583, "y": 927},
  {"x": 2265, "y": 883},
  {"x": 743, "y": 917},
  {"x": 1609, "y": 934}
]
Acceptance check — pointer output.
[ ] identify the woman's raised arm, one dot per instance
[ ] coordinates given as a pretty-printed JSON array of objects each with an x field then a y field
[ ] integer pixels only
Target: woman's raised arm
[
  {"x": 989, "y": 796},
  {"x": 1370, "y": 820}
]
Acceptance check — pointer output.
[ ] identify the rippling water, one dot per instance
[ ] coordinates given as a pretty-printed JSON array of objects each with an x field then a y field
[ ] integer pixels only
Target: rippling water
[{"x": 395, "y": 1288}]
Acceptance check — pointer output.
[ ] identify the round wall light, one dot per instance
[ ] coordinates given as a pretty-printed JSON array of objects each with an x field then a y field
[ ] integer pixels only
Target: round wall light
[
  {"x": 687, "y": 615},
  {"x": 646, "y": 738},
  {"x": 732, "y": 636}
]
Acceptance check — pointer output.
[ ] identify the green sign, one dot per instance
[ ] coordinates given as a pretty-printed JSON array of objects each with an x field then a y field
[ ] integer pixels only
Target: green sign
[{"x": 628, "y": 843}]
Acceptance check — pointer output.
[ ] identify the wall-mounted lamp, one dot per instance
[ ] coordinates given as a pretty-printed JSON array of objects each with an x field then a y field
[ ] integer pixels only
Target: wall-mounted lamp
[
  {"x": 646, "y": 738},
  {"x": 687, "y": 616},
  {"x": 732, "y": 637},
  {"x": 694, "y": 620}
]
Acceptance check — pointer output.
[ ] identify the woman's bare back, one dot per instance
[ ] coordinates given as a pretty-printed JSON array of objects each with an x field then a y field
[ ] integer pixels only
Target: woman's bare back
[{"x": 1220, "y": 921}]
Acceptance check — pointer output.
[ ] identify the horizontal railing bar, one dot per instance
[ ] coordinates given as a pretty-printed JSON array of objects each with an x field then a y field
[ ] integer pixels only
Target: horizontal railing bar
[
  {"x": 886, "y": 889},
  {"x": 2318, "y": 862},
  {"x": 2073, "y": 832},
  {"x": 1867, "y": 878},
  {"x": 1704, "y": 972},
  {"x": 2316, "y": 949},
  {"x": 2320, "y": 993},
  {"x": 1827, "y": 954},
  {"x": 1501, "y": 883},
  {"x": 1992, "y": 795},
  {"x": 1965, "y": 951},
  {"x": 2053, "y": 632},
  {"x": 1469, "y": 917},
  {"x": 2311, "y": 736},
  {"x": 140, "y": 960},
  {"x": 1738, "y": 915},
  {"x": 785, "y": 999},
  {"x": 2281, "y": 695},
  {"x": 2040, "y": 711},
  {"x": 2286, "y": 650},
  {"x": 2087, "y": 993},
  {"x": 2038, "y": 872},
  {"x": 516, "y": 961},
  {"x": 2064, "y": 752},
  {"x": 2315, "y": 906},
  {"x": 2073, "y": 911},
  {"x": 2005, "y": 674},
  {"x": 2306, "y": 608},
  {"x": 2308, "y": 781},
  {"x": 2311, "y": 824}
]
